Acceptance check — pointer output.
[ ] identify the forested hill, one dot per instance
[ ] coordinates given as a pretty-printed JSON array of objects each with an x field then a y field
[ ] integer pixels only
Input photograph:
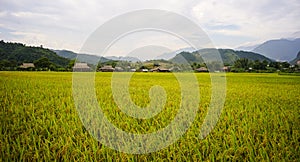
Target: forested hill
[
  {"x": 19, "y": 53},
  {"x": 228, "y": 56},
  {"x": 294, "y": 61},
  {"x": 91, "y": 59}
]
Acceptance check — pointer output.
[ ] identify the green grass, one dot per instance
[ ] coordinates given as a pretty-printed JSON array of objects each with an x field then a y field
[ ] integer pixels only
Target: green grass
[{"x": 260, "y": 120}]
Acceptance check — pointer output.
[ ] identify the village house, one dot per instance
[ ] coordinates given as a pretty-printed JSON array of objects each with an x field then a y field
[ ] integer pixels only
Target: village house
[
  {"x": 226, "y": 68},
  {"x": 144, "y": 70},
  {"x": 27, "y": 65},
  {"x": 81, "y": 67},
  {"x": 202, "y": 69},
  {"x": 107, "y": 69},
  {"x": 160, "y": 69}
]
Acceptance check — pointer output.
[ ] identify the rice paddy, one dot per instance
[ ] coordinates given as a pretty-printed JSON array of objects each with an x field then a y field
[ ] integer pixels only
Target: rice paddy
[{"x": 260, "y": 120}]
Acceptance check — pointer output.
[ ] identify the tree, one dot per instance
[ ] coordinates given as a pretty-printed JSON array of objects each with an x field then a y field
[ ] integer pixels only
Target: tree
[
  {"x": 52, "y": 67},
  {"x": 155, "y": 65},
  {"x": 42, "y": 63},
  {"x": 8, "y": 65},
  {"x": 285, "y": 65},
  {"x": 111, "y": 63},
  {"x": 242, "y": 63},
  {"x": 5, "y": 63},
  {"x": 203, "y": 65},
  {"x": 143, "y": 67},
  {"x": 114, "y": 64},
  {"x": 257, "y": 65},
  {"x": 194, "y": 66},
  {"x": 265, "y": 63},
  {"x": 71, "y": 64},
  {"x": 275, "y": 65}
]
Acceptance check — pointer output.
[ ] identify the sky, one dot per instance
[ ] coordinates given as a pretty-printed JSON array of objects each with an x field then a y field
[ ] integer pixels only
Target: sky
[{"x": 67, "y": 24}]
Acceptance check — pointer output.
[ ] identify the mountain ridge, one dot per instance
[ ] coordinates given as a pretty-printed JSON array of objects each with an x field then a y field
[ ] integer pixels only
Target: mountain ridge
[
  {"x": 279, "y": 49},
  {"x": 91, "y": 59},
  {"x": 62, "y": 57},
  {"x": 294, "y": 61},
  {"x": 228, "y": 56}
]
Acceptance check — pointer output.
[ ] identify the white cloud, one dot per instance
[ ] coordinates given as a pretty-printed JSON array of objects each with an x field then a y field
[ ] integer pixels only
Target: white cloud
[
  {"x": 67, "y": 23},
  {"x": 3, "y": 13},
  {"x": 264, "y": 19}
]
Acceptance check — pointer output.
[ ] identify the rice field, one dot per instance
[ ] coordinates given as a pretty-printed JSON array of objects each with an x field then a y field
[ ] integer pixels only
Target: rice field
[{"x": 260, "y": 120}]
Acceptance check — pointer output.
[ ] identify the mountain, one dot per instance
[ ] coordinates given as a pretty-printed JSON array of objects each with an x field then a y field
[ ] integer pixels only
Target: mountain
[
  {"x": 167, "y": 56},
  {"x": 91, "y": 59},
  {"x": 228, "y": 56},
  {"x": 123, "y": 58},
  {"x": 294, "y": 61},
  {"x": 280, "y": 49},
  {"x": 247, "y": 48},
  {"x": 66, "y": 54},
  {"x": 20, "y": 53}
]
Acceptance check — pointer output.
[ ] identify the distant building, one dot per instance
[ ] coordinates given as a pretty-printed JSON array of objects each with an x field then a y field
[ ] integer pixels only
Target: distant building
[
  {"x": 107, "y": 69},
  {"x": 27, "y": 65},
  {"x": 298, "y": 62},
  {"x": 160, "y": 69},
  {"x": 226, "y": 68},
  {"x": 119, "y": 69},
  {"x": 144, "y": 70},
  {"x": 81, "y": 67},
  {"x": 202, "y": 69}
]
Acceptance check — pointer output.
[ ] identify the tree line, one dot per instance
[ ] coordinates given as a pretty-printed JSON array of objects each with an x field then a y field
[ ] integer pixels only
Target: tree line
[
  {"x": 13, "y": 55},
  {"x": 245, "y": 65},
  {"x": 41, "y": 64}
]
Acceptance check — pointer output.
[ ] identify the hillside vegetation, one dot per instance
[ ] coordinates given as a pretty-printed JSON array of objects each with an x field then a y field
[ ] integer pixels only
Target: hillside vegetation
[
  {"x": 17, "y": 53},
  {"x": 229, "y": 56}
]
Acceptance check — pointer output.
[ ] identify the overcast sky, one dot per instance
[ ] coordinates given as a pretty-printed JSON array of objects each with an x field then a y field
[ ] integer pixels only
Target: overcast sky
[{"x": 66, "y": 24}]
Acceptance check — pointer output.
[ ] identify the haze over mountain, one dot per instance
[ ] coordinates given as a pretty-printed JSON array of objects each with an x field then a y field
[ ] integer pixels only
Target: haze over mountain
[
  {"x": 123, "y": 58},
  {"x": 294, "y": 61},
  {"x": 279, "y": 49},
  {"x": 247, "y": 47},
  {"x": 91, "y": 59},
  {"x": 169, "y": 55}
]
